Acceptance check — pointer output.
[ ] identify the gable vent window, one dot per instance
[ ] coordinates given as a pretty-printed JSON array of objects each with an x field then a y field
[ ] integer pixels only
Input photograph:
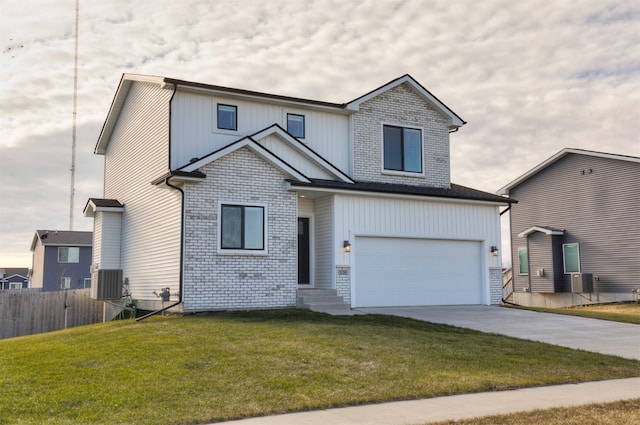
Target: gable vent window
[
  {"x": 295, "y": 125},
  {"x": 402, "y": 149},
  {"x": 227, "y": 117}
]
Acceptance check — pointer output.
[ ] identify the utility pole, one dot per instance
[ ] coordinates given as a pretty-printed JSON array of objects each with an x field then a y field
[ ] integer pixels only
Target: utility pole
[{"x": 75, "y": 115}]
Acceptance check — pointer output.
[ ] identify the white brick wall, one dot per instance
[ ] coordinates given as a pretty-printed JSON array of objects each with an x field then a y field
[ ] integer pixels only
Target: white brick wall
[
  {"x": 215, "y": 282},
  {"x": 400, "y": 106},
  {"x": 495, "y": 285},
  {"x": 343, "y": 282}
]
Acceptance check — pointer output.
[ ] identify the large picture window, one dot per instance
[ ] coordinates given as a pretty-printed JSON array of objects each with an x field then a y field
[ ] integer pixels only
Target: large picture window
[
  {"x": 523, "y": 261},
  {"x": 242, "y": 227},
  {"x": 571, "y": 258},
  {"x": 227, "y": 117},
  {"x": 68, "y": 254},
  {"x": 402, "y": 149}
]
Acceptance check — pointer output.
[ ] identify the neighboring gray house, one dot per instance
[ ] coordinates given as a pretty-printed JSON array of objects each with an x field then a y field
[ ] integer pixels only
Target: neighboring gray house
[
  {"x": 233, "y": 199},
  {"x": 61, "y": 260},
  {"x": 575, "y": 231},
  {"x": 14, "y": 278}
]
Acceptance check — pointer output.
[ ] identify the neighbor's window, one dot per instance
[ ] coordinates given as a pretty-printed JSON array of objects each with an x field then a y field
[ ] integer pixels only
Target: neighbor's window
[
  {"x": 15, "y": 285},
  {"x": 68, "y": 254},
  {"x": 523, "y": 261},
  {"x": 227, "y": 117},
  {"x": 295, "y": 125},
  {"x": 242, "y": 227},
  {"x": 402, "y": 149},
  {"x": 87, "y": 283},
  {"x": 65, "y": 283},
  {"x": 571, "y": 258}
]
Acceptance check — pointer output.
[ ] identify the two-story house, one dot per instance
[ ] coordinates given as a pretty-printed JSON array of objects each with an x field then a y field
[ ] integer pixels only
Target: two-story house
[
  {"x": 575, "y": 231},
  {"x": 234, "y": 199},
  {"x": 14, "y": 278},
  {"x": 61, "y": 260}
]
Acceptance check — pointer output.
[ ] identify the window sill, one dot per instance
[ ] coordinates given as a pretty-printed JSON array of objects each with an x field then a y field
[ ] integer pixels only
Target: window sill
[
  {"x": 403, "y": 174},
  {"x": 243, "y": 252}
]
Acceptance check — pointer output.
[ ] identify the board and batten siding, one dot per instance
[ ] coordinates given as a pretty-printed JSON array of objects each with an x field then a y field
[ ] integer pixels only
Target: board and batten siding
[
  {"x": 136, "y": 155},
  {"x": 324, "y": 234},
  {"x": 194, "y": 131},
  {"x": 597, "y": 209},
  {"x": 433, "y": 219},
  {"x": 107, "y": 239},
  {"x": 295, "y": 158}
]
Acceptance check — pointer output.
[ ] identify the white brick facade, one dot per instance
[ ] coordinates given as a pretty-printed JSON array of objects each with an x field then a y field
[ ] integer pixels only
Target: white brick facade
[
  {"x": 214, "y": 281},
  {"x": 400, "y": 106},
  {"x": 495, "y": 285}
]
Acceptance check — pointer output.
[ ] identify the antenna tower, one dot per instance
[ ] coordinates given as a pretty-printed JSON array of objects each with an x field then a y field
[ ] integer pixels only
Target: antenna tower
[{"x": 75, "y": 114}]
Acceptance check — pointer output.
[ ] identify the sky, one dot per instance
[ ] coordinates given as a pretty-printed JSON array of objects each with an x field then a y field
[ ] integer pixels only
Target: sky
[{"x": 530, "y": 78}]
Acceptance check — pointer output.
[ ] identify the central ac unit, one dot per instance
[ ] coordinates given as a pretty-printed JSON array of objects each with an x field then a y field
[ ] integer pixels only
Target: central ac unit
[
  {"x": 581, "y": 282},
  {"x": 108, "y": 285}
]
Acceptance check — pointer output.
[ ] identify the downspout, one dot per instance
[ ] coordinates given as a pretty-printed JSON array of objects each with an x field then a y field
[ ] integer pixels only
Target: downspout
[
  {"x": 166, "y": 181},
  {"x": 180, "y": 283}
]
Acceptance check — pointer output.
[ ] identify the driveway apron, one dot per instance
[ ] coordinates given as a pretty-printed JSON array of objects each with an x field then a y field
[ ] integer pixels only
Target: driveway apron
[{"x": 600, "y": 336}]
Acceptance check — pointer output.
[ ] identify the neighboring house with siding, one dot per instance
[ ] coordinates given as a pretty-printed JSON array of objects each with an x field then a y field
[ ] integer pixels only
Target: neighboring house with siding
[
  {"x": 233, "y": 199},
  {"x": 14, "y": 278},
  {"x": 577, "y": 217},
  {"x": 61, "y": 260}
]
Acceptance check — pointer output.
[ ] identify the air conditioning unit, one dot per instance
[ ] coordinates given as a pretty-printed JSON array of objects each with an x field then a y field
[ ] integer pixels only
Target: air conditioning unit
[
  {"x": 581, "y": 282},
  {"x": 107, "y": 285}
]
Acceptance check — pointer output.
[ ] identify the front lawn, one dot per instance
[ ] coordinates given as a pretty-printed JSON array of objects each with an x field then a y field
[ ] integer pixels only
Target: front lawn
[
  {"x": 199, "y": 369},
  {"x": 624, "y": 412},
  {"x": 627, "y": 312}
]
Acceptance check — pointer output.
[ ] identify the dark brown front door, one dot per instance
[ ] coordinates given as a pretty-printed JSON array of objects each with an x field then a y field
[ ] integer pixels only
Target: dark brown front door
[{"x": 303, "y": 251}]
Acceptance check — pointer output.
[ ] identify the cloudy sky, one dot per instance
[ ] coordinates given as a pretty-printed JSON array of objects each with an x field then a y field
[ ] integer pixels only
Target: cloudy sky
[{"x": 530, "y": 77}]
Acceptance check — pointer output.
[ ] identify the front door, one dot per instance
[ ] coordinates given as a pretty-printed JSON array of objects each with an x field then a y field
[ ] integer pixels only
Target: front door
[{"x": 303, "y": 251}]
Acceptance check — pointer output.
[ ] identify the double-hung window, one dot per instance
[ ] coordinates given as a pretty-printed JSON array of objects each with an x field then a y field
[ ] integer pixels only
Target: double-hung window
[
  {"x": 227, "y": 117},
  {"x": 68, "y": 254},
  {"x": 65, "y": 283},
  {"x": 571, "y": 258},
  {"x": 295, "y": 125},
  {"x": 523, "y": 261},
  {"x": 402, "y": 149},
  {"x": 242, "y": 227}
]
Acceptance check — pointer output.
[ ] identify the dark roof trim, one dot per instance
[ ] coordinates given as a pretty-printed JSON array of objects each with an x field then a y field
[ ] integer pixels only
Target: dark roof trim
[
  {"x": 455, "y": 192},
  {"x": 186, "y": 175}
]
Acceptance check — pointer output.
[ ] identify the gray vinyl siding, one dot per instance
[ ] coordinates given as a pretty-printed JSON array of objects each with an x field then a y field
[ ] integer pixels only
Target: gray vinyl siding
[
  {"x": 324, "y": 242},
  {"x": 599, "y": 210},
  {"x": 136, "y": 155},
  {"x": 540, "y": 250}
]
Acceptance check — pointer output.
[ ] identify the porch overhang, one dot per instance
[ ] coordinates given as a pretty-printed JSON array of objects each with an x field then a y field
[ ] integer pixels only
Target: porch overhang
[{"x": 541, "y": 229}]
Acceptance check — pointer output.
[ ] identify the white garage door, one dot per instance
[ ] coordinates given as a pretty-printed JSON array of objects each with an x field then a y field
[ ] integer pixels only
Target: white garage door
[{"x": 407, "y": 272}]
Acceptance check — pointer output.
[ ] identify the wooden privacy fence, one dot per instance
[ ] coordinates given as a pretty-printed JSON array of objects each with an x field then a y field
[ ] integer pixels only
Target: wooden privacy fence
[{"x": 26, "y": 312}]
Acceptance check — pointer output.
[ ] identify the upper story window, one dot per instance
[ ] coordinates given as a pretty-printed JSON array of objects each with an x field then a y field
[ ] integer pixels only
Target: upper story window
[
  {"x": 295, "y": 125},
  {"x": 571, "y": 258},
  {"x": 227, "y": 117},
  {"x": 242, "y": 227},
  {"x": 68, "y": 254},
  {"x": 402, "y": 149}
]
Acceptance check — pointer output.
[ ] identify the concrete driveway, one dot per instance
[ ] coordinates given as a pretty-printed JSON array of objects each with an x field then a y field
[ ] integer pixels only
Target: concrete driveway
[{"x": 600, "y": 336}]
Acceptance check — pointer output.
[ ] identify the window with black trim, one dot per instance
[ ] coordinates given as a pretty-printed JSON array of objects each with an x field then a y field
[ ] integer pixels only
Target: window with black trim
[
  {"x": 242, "y": 227},
  {"x": 227, "y": 117},
  {"x": 295, "y": 125},
  {"x": 402, "y": 149},
  {"x": 68, "y": 254}
]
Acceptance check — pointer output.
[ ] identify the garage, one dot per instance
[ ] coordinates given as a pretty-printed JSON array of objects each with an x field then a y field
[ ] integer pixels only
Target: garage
[{"x": 406, "y": 272}]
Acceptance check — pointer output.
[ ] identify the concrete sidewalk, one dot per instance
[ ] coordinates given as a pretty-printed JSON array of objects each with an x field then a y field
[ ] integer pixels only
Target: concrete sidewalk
[{"x": 461, "y": 406}]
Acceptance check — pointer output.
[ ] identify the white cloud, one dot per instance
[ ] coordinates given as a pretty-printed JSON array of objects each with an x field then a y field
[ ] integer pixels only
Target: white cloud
[{"x": 529, "y": 77}]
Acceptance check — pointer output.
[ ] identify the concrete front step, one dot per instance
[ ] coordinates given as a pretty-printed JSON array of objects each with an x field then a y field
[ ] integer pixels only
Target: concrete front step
[{"x": 322, "y": 300}]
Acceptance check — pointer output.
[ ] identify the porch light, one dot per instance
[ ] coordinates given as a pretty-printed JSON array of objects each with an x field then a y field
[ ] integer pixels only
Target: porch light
[
  {"x": 347, "y": 246},
  {"x": 494, "y": 250}
]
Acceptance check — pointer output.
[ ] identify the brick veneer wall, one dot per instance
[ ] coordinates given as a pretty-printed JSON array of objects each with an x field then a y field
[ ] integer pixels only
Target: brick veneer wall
[
  {"x": 401, "y": 106},
  {"x": 213, "y": 281},
  {"x": 495, "y": 285}
]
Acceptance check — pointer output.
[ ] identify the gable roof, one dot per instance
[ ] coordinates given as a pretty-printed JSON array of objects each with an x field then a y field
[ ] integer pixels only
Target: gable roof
[
  {"x": 247, "y": 142},
  {"x": 455, "y": 192},
  {"x": 454, "y": 120},
  {"x": 10, "y": 272},
  {"x": 106, "y": 205},
  {"x": 542, "y": 229},
  {"x": 127, "y": 80},
  {"x": 564, "y": 152},
  {"x": 62, "y": 238}
]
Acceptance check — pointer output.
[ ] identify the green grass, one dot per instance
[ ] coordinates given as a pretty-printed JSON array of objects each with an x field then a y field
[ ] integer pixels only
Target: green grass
[
  {"x": 199, "y": 369},
  {"x": 625, "y": 412},
  {"x": 627, "y": 312}
]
